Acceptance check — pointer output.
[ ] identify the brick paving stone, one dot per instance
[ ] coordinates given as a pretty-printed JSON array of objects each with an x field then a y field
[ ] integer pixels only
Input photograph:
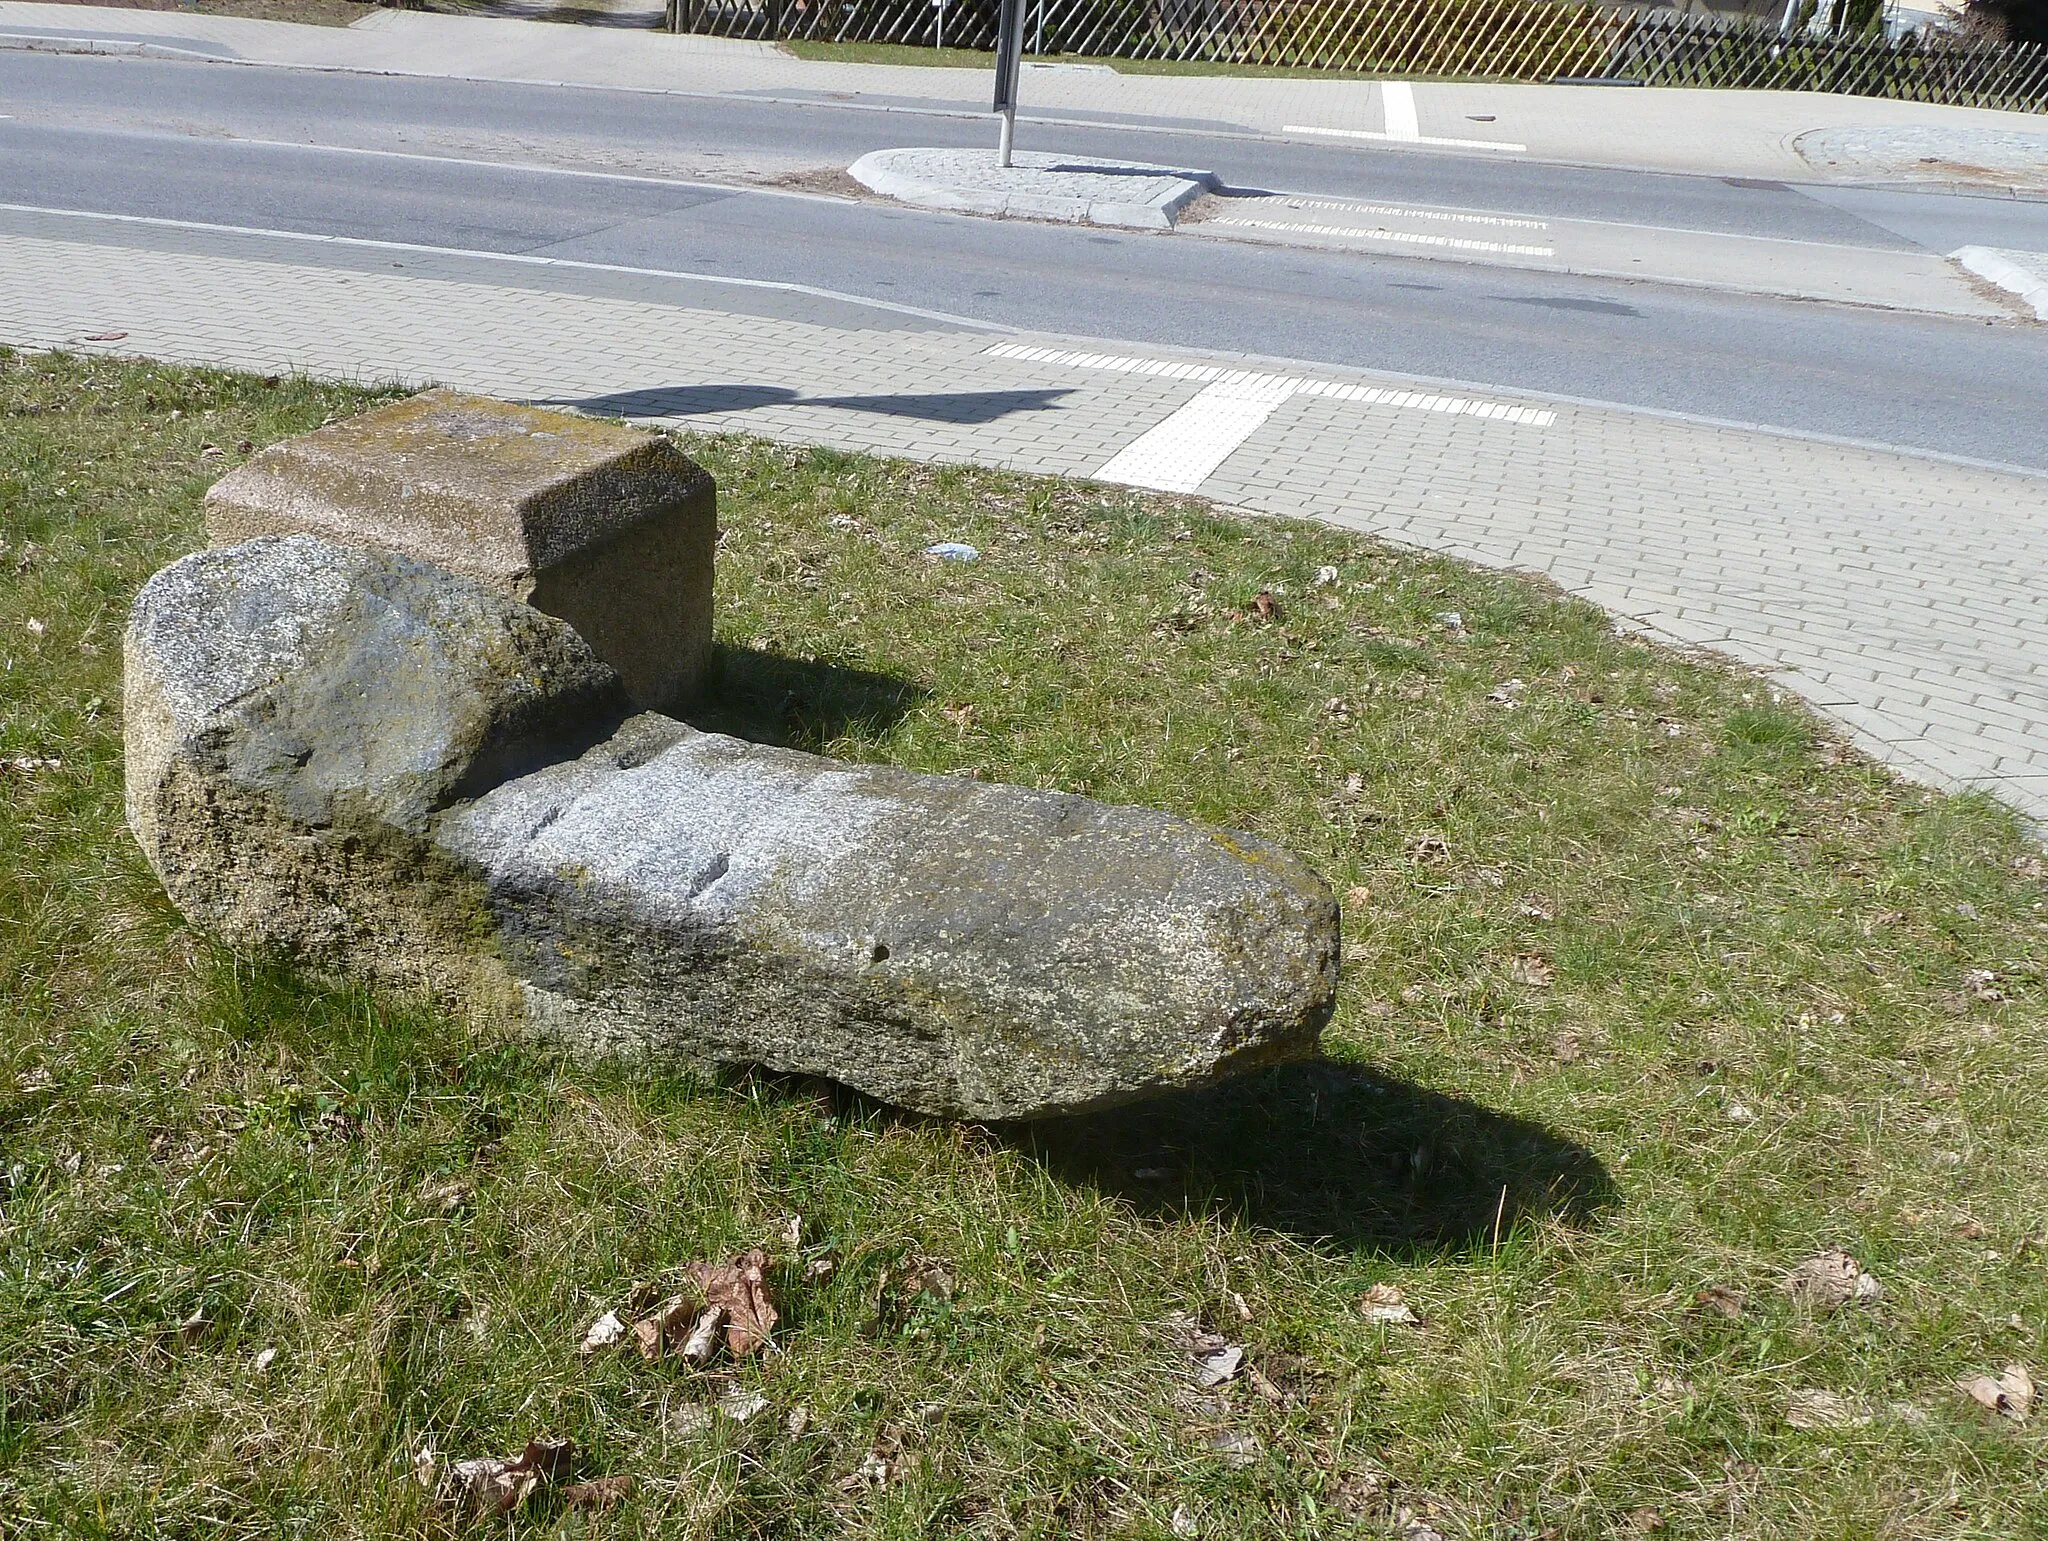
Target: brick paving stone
[{"x": 1901, "y": 594}]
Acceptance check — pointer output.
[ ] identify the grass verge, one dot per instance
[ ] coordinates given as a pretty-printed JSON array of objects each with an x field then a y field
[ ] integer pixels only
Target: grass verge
[{"x": 1652, "y": 993}]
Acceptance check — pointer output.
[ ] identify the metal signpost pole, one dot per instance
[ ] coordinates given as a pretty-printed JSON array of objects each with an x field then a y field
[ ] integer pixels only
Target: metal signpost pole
[{"x": 1009, "y": 63}]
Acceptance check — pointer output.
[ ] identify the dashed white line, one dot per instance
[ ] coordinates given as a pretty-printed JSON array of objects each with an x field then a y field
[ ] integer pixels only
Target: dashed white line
[
  {"x": 1366, "y": 133},
  {"x": 1403, "y": 237},
  {"x": 1398, "y": 211}
]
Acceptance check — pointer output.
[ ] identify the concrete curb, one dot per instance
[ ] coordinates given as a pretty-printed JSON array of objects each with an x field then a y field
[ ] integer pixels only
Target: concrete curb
[
  {"x": 1071, "y": 189},
  {"x": 2027, "y": 283}
]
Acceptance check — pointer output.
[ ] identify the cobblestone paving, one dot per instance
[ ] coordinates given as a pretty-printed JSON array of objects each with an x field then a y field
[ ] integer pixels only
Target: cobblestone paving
[{"x": 1901, "y": 594}]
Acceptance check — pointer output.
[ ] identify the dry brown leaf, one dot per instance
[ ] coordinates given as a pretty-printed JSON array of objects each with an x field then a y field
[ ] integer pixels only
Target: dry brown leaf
[
  {"x": 1722, "y": 1300},
  {"x": 1263, "y": 1386},
  {"x": 1386, "y": 1304},
  {"x": 740, "y": 1288},
  {"x": 2011, "y": 1395},
  {"x": 608, "y": 1331},
  {"x": 740, "y": 1405},
  {"x": 599, "y": 1494},
  {"x": 449, "y": 1197},
  {"x": 1982, "y": 984},
  {"x": 927, "y": 1276},
  {"x": 1235, "y": 1448},
  {"x": 1528, "y": 969},
  {"x": 667, "y": 1329},
  {"x": 701, "y": 1344},
  {"x": 484, "y": 1485},
  {"x": 1362, "y": 1494},
  {"x": 1815, "y": 1409},
  {"x": 1830, "y": 1279}
]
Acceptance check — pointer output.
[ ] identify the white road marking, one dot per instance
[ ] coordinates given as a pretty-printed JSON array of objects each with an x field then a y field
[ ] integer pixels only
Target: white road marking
[
  {"x": 1366, "y": 133},
  {"x": 1406, "y": 237},
  {"x": 1345, "y": 205},
  {"x": 1397, "y": 97},
  {"x": 1183, "y": 450},
  {"x": 1177, "y": 454}
]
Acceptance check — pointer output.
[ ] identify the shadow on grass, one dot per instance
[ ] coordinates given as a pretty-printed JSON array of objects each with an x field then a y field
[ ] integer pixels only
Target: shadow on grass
[
  {"x": 797, "y": 703},
  {"x": 1324, "y": 1152},
  {"x": 1331, "y": 1152}
]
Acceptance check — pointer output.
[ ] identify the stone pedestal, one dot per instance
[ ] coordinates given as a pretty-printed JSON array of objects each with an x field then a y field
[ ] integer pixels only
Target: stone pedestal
[{"x": 609, "y": 528}]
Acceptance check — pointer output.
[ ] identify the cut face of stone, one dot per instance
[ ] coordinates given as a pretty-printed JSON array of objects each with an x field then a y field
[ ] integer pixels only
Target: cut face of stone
[
  {"x": 976, "y": 950},
  {"x": 354, "y": 760},
  {"x": 609, "y": 528}
]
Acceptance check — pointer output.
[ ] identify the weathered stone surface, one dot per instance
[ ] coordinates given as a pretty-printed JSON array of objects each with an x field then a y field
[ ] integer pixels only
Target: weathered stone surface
[
  {"x": 942, "y": 944},
  {"x": 936, "y": 942},
  {"x": 297, "y": 713},
  {"x": 609, "y": 528}
]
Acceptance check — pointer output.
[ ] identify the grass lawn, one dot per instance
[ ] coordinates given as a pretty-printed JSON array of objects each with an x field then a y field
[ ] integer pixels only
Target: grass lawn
[{"x": 1653, "y": 992}]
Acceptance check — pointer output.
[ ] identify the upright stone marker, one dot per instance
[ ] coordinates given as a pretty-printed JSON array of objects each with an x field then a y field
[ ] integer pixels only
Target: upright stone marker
[{"x": 609, "y": 528}]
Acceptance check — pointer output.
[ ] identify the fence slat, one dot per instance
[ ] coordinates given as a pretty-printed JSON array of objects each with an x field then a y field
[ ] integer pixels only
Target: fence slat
[{"x": 1510, "y": 40}]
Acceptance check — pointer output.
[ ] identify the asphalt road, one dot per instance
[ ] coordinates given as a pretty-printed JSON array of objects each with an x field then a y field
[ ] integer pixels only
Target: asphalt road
[{"x": 287, "y": 150}]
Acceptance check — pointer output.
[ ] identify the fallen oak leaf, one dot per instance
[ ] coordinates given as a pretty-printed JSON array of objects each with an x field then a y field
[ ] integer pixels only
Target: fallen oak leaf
[
  {"x": 2011, "y": 1395},
  {"x": 702, "y": 1343},
  {"x": 1830, "y": 1279},
  {"x": 1385, "y": 1304},
  {"x": 740, "y": 1288},
  {"x": 667, "y": 1328},
  {"x": 485, "y": 1485}
]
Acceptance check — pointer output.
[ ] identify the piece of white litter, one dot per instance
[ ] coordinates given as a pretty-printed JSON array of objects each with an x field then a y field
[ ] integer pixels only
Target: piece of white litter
[{"x": 952, "y": 551}]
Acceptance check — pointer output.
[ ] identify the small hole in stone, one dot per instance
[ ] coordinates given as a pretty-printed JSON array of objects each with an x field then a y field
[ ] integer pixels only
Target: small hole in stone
[{"x": 880, "y": 953}]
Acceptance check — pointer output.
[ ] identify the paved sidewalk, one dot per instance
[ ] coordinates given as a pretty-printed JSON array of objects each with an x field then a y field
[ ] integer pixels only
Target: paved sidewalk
[
  {"x": 1720, "y": 133},
  {"x": 1902, "y": 595}
]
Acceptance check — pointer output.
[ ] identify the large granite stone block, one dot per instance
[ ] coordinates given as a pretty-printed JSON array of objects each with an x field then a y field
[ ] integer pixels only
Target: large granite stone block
[
  {"x": 609, "y": 528},
  {"x": 351, "y": 759}
]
